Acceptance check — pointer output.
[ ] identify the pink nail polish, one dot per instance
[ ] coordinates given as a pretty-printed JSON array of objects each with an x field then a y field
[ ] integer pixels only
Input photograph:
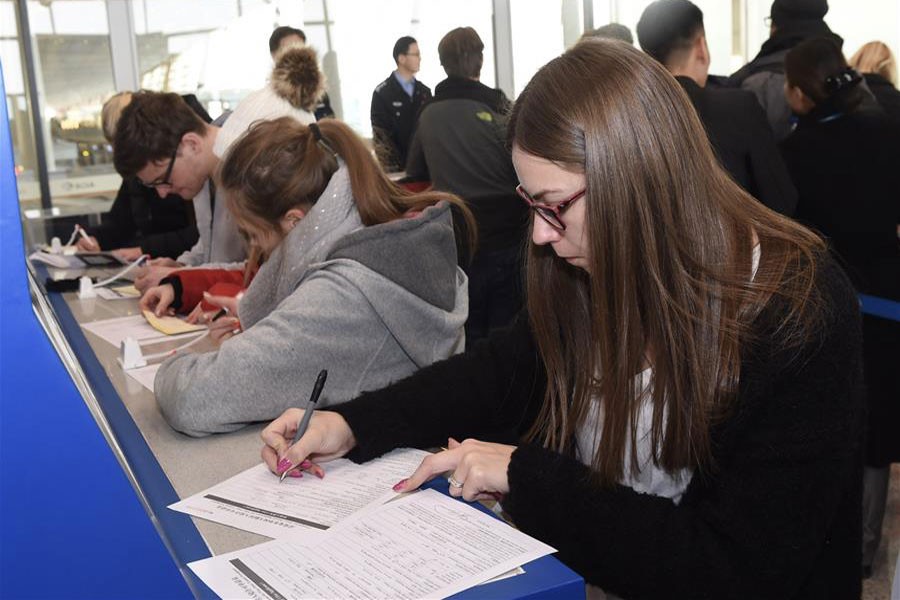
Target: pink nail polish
[
  {"x": 398, "y": 487},
  {"x": 283, "y": 465},
  {"x": 305, "y": 464},
  {"x": 295, "y": 474}
]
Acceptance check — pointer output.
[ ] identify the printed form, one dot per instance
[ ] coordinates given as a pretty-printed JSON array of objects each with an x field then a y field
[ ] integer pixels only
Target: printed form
[
  {"x": 255, "y": 500},
  {"x": 116, "y": 330},
  {"x": 422, "y": 545}
]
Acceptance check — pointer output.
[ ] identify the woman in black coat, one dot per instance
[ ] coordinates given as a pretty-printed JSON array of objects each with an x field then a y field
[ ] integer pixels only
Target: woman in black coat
[
  {"x": 842, "y": 159},
  {"x": 876, "y": 63}
]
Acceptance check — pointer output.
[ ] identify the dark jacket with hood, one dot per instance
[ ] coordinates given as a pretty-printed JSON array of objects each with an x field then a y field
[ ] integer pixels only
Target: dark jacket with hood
[
  {"x": 764, "y": 75},
  {"x": 460, "y": 146}
]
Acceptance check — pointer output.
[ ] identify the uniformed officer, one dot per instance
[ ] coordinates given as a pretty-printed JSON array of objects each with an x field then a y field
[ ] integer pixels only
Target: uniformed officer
[{"x": 396, "y": 103}]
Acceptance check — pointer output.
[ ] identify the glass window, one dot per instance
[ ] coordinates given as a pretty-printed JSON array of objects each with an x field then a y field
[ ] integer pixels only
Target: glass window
[
  {"x": 216, "y": 49},
  {"x": 16, "y": 102},
  {"x": 717, "y": 21},
  {"x": 74, "y": 74},
  {"x": 362, "y": 67},
  {"x": 557, "y": 24}
]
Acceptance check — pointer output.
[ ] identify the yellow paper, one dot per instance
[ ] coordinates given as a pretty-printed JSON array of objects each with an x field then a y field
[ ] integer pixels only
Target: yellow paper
[
  {"x": 127, "y": 290},
  {"x": 170, "y": 325}
]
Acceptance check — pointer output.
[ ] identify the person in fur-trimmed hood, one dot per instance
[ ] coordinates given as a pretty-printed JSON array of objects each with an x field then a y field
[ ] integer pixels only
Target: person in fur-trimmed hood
[{"x": 161, "y": 141}]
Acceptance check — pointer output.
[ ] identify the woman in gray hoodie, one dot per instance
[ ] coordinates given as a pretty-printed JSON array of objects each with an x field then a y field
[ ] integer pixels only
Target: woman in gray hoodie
[{"x": 360, "y": 277}]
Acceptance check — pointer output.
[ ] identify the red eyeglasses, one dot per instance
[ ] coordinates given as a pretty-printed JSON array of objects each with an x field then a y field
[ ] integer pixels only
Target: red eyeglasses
[{"x": 551, "y": 214}]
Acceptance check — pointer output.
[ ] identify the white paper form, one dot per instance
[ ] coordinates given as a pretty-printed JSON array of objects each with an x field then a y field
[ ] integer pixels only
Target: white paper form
[
  {"x": 144, "y": 375},
  {"x": 255, "y": 500},
  {"x": 116, "y": 330},
  {"x": 424, "y": 545}
]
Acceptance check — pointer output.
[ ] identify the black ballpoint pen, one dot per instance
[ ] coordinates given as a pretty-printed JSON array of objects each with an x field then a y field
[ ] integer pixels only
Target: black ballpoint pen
[{"x": 307, "y": 414}]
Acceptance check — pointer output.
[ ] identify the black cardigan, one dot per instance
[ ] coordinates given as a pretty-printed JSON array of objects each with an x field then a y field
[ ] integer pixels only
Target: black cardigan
[{"x": 780, "y": 518}]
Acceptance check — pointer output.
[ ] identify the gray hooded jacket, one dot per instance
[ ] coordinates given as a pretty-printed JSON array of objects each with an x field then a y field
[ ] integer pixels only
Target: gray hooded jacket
[{"x": 370, "y": 304}]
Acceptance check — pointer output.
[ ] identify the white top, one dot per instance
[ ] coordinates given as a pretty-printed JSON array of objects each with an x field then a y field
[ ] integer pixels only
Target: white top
[{"x": 649, "y": 478}]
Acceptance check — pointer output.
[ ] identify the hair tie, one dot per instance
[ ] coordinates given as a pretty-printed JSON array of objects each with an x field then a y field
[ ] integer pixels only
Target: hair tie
[
  {"x": 320, "y": 139},
  {"x": 846, "y": 79}
]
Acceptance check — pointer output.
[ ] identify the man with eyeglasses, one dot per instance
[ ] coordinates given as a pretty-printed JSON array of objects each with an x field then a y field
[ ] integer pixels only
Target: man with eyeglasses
[
  {"x": 396, "y": 103},
  {"x": 161, "y": 142}
]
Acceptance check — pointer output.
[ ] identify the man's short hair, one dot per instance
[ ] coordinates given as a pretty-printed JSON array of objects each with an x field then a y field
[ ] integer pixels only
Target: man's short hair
[
  {"x": 667, "y": 27},
  {"x": 612, "y": 31},
  {"x": 462, "y": 53},
  {"x": 402, "y": 46},
  {"x": 150, "y": 128},
  {"x": 282, "y": 32}
]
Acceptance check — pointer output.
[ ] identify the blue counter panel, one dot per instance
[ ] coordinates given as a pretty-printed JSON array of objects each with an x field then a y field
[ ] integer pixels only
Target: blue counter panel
[{"x": 71, "y": 525}]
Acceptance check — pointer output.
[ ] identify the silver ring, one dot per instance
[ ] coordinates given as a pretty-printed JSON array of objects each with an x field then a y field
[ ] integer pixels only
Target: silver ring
[{"x": 454, "y": 482}]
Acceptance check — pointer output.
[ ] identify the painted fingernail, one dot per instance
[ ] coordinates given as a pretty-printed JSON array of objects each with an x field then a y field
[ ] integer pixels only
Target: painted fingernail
[
  {"x": 305, "y": 464},
  {"x": 319, "y": 472},
  {"x": 283, "y": 465},
  {"x": 295, "y": 474},
  {"x": 398, "y": 487}
]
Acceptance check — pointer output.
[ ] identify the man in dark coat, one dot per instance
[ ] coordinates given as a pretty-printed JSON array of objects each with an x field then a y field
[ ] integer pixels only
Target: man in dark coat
[
  {"x": 671, "y": 31},
  {"x": 792, "y": 21},
  {"x": 460, "y": 145},
  {"x": 396, "y": 103}
]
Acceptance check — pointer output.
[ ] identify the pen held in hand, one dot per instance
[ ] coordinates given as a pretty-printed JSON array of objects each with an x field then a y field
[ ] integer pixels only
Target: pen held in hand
[{"x": 307, "y": 414}]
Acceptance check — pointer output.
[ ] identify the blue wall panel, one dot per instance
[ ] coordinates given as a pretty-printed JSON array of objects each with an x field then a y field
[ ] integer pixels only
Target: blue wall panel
[{"x": 71, "y": 525}]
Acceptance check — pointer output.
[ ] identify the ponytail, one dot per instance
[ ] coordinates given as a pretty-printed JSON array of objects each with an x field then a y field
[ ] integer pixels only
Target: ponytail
[{"x": 282, "y": 164}]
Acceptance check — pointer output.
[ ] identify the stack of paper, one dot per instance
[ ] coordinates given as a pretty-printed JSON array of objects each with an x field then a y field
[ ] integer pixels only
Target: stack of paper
[{"x": 348, "y": 535}]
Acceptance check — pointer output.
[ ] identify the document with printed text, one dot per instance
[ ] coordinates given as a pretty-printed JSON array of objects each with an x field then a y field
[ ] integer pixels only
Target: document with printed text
[
  {"x": 116, "y": 330},
  {"x": 422, "y": 545},
  {"x": 255, "y": 500}
]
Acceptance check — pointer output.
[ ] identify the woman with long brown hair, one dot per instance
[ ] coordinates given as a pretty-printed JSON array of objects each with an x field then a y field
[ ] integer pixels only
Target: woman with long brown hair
[
  {"x": 685, "y": 380},
  {"x": 360, "y": 277}
]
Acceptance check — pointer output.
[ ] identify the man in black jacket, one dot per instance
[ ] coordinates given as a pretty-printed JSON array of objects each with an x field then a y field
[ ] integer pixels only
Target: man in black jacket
[
  {"x": 671, "y": 31},
  {"x": 791, "y": 22},
  {"x": 460, "y": 145},
  {"x": 396, "y": 103}
]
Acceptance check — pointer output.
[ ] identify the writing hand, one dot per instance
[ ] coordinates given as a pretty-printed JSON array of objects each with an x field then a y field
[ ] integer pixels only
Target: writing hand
[
  {"x": 328, "y": 437},
  {"x": 158, "y": 299},
  {"x": 129, "y": 254},
  {"x": 147, "y": 277},
  {"x": 88, "y": 244}
]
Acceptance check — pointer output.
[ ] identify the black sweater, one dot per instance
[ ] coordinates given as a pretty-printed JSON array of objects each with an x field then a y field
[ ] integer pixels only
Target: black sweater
[{"x": 780, "y": 518}]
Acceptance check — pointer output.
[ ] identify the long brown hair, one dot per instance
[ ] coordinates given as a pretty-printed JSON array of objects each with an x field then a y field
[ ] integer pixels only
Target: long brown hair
[
  {"x": 670, "y": 244},
  {"x": 281, "y": 164}
]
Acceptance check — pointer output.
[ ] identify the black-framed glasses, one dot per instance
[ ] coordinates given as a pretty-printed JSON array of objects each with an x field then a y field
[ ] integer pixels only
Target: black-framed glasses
[
  {"x": 551, "y": 214},
  {"x": 165, "y": 177}
]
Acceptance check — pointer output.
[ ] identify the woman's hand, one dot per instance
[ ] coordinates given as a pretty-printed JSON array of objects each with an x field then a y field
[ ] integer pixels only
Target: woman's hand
[
  {"x": 158, "y": 299},
  {"x": 477, "y": 470},
  {"x": 129, "y": 254},
  {"x": 87, "y": 244},
  {"x": 150, "y": 276},
  {"x": 165, "y": 262},
  {"x": 328, "y": 437},
  {"x": 225, "y": 326}
]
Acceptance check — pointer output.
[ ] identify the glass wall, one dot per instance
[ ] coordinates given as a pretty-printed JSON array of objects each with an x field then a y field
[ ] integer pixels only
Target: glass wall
[
  {"x": 16, "y": 100},
  {"x": 73, "y": 72},
  {"x": 541, "y": 31},
  {"x": 216, "y": 49},
  {"x": 363, "y": 50}
]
